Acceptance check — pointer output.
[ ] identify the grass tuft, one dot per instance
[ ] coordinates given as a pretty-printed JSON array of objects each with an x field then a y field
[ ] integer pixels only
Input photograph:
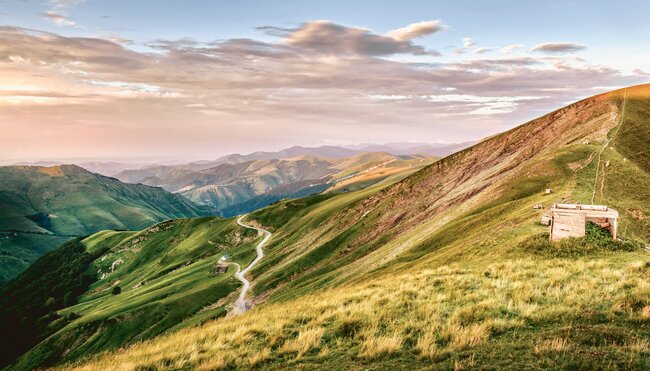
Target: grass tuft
[
  {"x": 375, "y": 346},
  {"x": 306, "y": 340},
  {"x": 552, "y": 345}
]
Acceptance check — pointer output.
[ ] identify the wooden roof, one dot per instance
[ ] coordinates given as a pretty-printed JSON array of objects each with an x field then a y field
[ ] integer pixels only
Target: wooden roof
[{"x": 591, "y": 211}]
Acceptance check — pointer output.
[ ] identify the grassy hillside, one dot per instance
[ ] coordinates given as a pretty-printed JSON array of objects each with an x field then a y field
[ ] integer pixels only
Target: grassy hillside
[
  {"x": 45, "y": 206},
  {"x": 449, "y": 268},
  {"x": 166, "y": 277}
]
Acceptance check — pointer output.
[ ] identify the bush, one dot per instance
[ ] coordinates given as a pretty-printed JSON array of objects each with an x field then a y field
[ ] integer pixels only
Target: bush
[
  {"x": 116, "y": 290},
  {"x": 596, "y": 239}
]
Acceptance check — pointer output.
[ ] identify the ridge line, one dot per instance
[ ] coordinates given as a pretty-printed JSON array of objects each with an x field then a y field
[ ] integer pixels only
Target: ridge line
[{"x": 618, "y": 127}]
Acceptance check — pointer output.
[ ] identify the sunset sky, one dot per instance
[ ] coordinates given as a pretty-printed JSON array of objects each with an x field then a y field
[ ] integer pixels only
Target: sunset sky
[{"x": 190, "y": 80}]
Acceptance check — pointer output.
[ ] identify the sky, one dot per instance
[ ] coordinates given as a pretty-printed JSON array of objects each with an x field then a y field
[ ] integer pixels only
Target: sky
[{"x": 193, "y": 80}]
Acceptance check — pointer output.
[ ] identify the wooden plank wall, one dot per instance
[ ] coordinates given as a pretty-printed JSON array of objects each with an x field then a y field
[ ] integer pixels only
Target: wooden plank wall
[{"x": 567, "y": 225}]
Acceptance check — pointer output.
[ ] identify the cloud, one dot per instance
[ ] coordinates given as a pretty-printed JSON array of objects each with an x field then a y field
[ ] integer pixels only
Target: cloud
[
  {"x": 482, "y": 50},
  {"x": 415, "y": 30},
  {"x": 469, "y": 45},
  {"x": 480, "y": 105},
  {"x": 558, "y": 48},
  {"x": 469, "y": 42},
  {"x": 64, "y": 4},
  {"x": 511, "y": 48},
  {"x": 325, "y": 37},
  {"x": 58, "y": 12},
  {"x": 120, "y": 39},
  {"x": 58, "y": 19},
  {"x": 284, "y": 91}
]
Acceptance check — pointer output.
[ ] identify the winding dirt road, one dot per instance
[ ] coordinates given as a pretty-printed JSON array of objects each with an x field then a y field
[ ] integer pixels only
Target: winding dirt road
[{"x": 240, "y": 305}]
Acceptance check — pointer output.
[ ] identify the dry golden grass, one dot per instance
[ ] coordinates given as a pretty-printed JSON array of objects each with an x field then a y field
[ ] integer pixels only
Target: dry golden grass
[
  {"x": 645, "y": 313},
  {"x": 427, "y": 346},
  {"x": 439, "y": 311},
  {"x": 552, "y": 345},
  {"x": 306, "y": 340},
  {"x": 461, "y": 337},
  {"x": 375, "y": 346},
  {"x": 640, "y": 346},
  {"x": 259, "y": 357}
]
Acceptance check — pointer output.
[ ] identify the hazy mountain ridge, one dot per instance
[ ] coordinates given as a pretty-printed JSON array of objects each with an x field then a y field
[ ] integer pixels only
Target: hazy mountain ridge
[{"x": 230, "y": 183}]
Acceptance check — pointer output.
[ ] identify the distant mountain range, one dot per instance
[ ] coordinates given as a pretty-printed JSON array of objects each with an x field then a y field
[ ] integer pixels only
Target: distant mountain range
[
  {"x": 412, "y": 148},
  {"x": 113, "y": 168},
  {"x": 107, "y": 168},
  {"x": 229, "y": 183},
  {"x": 234, "y": 179}
]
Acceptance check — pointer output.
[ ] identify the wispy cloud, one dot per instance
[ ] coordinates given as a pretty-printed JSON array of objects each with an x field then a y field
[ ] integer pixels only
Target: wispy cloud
[
  {"x": 469, "y": 42},
  {"x": 558, "y": 48},
  {"x": 511, "y": 48},
  {"x": 415, "y": 30},
  {"x": 58, "y": 19},
  {"x": 482, "y": 50},
  {"x": 317, "y": 80},
  {"x": 58, "y": 12},
  {"x": 325, "y": 37}
]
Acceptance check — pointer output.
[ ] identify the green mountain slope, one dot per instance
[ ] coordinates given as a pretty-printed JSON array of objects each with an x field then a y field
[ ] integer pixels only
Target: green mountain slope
[
  {"x": 447, "y": 268},
  {"x": 45, "y": 206},
  {"x": 65, "y": 301}
]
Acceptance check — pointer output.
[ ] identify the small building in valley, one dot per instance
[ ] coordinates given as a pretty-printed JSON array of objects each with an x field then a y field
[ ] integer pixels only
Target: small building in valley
[
  {"x": 569, "y": 220},
  {"x": 221, "y": 269}
]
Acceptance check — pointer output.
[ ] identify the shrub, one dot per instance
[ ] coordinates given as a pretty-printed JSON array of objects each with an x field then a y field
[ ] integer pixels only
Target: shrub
[
  {"x": 596, "y": 239},
  {"x": 116, "y": 290}
]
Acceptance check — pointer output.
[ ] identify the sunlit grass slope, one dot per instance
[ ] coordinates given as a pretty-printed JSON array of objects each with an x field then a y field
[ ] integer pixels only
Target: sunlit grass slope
[
  {"x": 449, "y": 268},
  {"x": 516, "y": 313},
  {"x": 167, "y": 281}
]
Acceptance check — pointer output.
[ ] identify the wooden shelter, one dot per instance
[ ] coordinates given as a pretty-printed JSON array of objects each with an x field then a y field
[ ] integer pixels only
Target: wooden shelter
[{"x": 569, "y": 220}]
